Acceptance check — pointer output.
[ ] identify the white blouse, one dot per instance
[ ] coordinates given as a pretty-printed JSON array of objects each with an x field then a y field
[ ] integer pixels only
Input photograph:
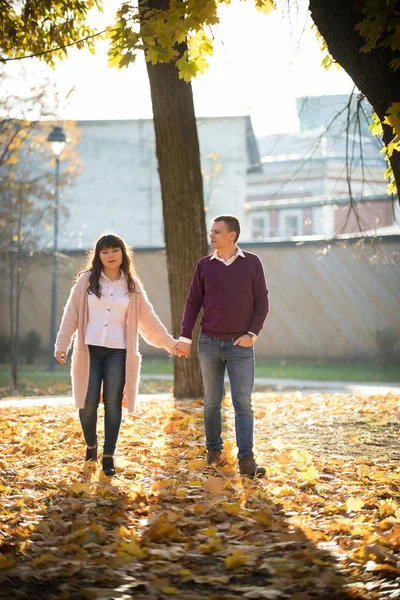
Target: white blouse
[{"x": 107, "y": 314}]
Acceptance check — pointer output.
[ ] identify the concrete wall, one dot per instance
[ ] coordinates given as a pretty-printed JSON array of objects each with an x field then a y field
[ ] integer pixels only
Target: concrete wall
[{"x": 327, "y": 299}]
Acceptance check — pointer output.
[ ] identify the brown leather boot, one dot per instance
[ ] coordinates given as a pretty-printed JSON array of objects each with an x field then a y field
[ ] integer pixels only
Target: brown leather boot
[
  {"x": 249, "y": 467},
  {"x": 214, "y": 457}
]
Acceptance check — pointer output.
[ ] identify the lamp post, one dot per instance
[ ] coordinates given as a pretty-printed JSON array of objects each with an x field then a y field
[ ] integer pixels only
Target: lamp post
[{"x": 57, "y": 140}]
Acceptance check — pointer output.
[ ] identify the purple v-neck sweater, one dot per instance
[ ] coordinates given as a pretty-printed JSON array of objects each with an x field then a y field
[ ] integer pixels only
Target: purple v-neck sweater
[{"x": 234, "y": 298}]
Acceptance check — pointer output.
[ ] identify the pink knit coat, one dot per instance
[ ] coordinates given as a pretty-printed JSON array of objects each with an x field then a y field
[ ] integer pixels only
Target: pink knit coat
[{"x": 141, "y": 318}]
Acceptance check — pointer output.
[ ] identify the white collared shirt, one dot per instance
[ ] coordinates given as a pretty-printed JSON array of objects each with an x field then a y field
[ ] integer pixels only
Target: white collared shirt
[
  {"x": 215, "y": 256},
  {"x": 107, "y": 314},
  {"x": 239, "y": 252}
]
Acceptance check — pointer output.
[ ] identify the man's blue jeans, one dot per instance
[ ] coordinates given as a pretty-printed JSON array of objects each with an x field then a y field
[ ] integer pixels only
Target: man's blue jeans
[
  {"x": 107, "y": 366},
  {"x": 214, "y": 356}
]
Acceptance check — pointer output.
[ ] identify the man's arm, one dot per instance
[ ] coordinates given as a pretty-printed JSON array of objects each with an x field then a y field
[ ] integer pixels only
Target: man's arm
[
  {"x": 260, "y": 302},
  {"x": 194, "y": 302}
]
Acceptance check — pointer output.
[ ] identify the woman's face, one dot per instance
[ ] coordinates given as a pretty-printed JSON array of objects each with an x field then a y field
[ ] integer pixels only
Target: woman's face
[{"x": 111, "y": 258}]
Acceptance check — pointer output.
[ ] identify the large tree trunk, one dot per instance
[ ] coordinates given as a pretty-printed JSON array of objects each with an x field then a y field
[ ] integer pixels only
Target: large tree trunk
[
  {"x": 370, "y": 71},
  {"x": 179, "y": 169},
  {"x": 181, "y": 181}
]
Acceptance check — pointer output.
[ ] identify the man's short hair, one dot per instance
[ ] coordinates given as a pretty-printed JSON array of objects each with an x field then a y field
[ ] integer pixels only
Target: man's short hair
[{"x": 232, "y": 222}]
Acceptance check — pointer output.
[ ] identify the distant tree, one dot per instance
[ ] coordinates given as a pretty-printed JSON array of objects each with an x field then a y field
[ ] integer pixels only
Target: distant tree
[{"x": 26, "y": 191}]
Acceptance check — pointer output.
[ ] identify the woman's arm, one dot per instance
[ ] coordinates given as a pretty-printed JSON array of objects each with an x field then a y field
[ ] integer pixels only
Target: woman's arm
[
  {"x": 69, "y": 321},
  {"x": 150, "y": 327}
]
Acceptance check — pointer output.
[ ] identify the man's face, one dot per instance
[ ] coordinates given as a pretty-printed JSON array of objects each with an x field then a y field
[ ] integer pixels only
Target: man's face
[{"x": 220, "y": 236}]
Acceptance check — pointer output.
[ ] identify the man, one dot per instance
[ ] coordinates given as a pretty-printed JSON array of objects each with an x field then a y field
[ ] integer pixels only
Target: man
[{"x": 230, "y": 286}]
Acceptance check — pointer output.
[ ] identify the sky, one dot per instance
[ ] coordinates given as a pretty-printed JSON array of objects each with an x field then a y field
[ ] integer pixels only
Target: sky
[{"x": 261, "y": 63}]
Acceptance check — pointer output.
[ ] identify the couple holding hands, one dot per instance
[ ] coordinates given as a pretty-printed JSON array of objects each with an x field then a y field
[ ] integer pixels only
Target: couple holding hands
[{"x": 107, "y": 309}]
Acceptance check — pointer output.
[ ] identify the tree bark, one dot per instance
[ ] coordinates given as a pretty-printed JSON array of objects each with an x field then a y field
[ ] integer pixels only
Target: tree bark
[
  {"x": 179, "y": 168},
  {"x": 370, "y": 71}
]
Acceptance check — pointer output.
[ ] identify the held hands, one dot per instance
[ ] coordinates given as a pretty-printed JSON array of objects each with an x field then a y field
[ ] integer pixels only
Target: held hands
[
  {"x": 181, "y": 349},
  {"x": 244, "y": 340},
  {"x": 61, "y": 356}
]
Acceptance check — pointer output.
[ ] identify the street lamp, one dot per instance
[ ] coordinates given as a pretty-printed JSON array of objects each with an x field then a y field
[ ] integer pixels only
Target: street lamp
[{"x": 57, "y": 140}]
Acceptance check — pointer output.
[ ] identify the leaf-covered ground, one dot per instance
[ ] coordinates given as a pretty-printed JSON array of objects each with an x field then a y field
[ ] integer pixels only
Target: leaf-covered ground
[{"x": 324, "y": 523}]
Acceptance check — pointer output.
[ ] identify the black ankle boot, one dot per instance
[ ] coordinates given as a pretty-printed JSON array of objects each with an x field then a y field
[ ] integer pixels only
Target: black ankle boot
[
  {"x": 108, "y": 466},
  {"x": 91, "y": 454}
]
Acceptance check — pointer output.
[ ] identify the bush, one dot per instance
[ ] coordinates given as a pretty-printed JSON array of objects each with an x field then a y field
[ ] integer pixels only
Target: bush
[
  {"x": 386, "y": 340},
  {"x": 5, "y": 348},
  {"x": 30, "y": 346}
]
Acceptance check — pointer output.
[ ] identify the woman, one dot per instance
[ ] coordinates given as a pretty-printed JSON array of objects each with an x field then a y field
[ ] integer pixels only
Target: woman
[{"x": 106, "y": 310}]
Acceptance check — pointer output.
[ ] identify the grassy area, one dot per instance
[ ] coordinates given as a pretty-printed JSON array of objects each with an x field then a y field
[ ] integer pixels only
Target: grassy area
[
  {"x": 329, "y": 371},
  {"x": 36, "y": 379},
  {"x": 304, "y": 369}
]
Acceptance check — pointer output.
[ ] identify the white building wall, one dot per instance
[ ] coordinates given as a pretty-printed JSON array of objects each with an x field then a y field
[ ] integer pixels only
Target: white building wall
[
  {"x": 364, "y": 181},
  {"x": 224, "y": 164},
  {"x": 283, "y": 179},
  {"x": 119, "y": 187}
]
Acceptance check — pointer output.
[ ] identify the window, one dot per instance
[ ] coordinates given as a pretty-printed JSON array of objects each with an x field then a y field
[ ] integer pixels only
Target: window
[
  {"x": 258, "y": 228},
  {"x": 291, "y": 225}
]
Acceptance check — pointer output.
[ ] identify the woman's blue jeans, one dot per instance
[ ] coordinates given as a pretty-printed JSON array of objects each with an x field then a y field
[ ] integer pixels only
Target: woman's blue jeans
[
  {"x": 107, "y": 367},
  {"x": 214, "y": 356}
]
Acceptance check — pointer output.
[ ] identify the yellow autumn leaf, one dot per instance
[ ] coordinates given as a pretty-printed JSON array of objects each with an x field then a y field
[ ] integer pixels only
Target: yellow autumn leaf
[
  {"x": 283, "y": 457},
  {"x": 170, "y": 590},
  {"x": 232, "y": 508},
  {"x": 186, "y": 573},
  {"x": 301, "y": 456},
  {"x": 124, "y": 531},
  {"x": 262, "y": 517},
  {"x": 197, "y": 463},
  {"x": 310, "y": 475},
  {"x": 354, "y": 504},
  {"x": 236, "y": 559},
  {"x": 265, "y": 6},
  {"x": 196, "y": 483},
  {"x": 376, "y": 125},
  {"x": 284, "y": 490},
  {"x": 213, "y": 486},
  {"x": 339, "y": 526},
  {"x": 387, "y": 508},
  {"x": 6, "y": 563},
  {"x": 132, "y": 548},
  {"x": 211, "y": 547},
  {"x": 43, "y": 558},
  {"x": 393, "y": 116},
  {"x": 79, "y": 488}
]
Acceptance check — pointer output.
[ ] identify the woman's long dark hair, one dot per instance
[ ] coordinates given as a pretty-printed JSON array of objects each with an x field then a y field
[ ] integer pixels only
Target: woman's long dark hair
[{"x": 94, "y": 265}]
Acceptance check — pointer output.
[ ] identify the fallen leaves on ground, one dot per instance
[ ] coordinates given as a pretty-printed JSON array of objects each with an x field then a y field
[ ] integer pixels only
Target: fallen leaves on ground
[{"x": 323, "y": 524}]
